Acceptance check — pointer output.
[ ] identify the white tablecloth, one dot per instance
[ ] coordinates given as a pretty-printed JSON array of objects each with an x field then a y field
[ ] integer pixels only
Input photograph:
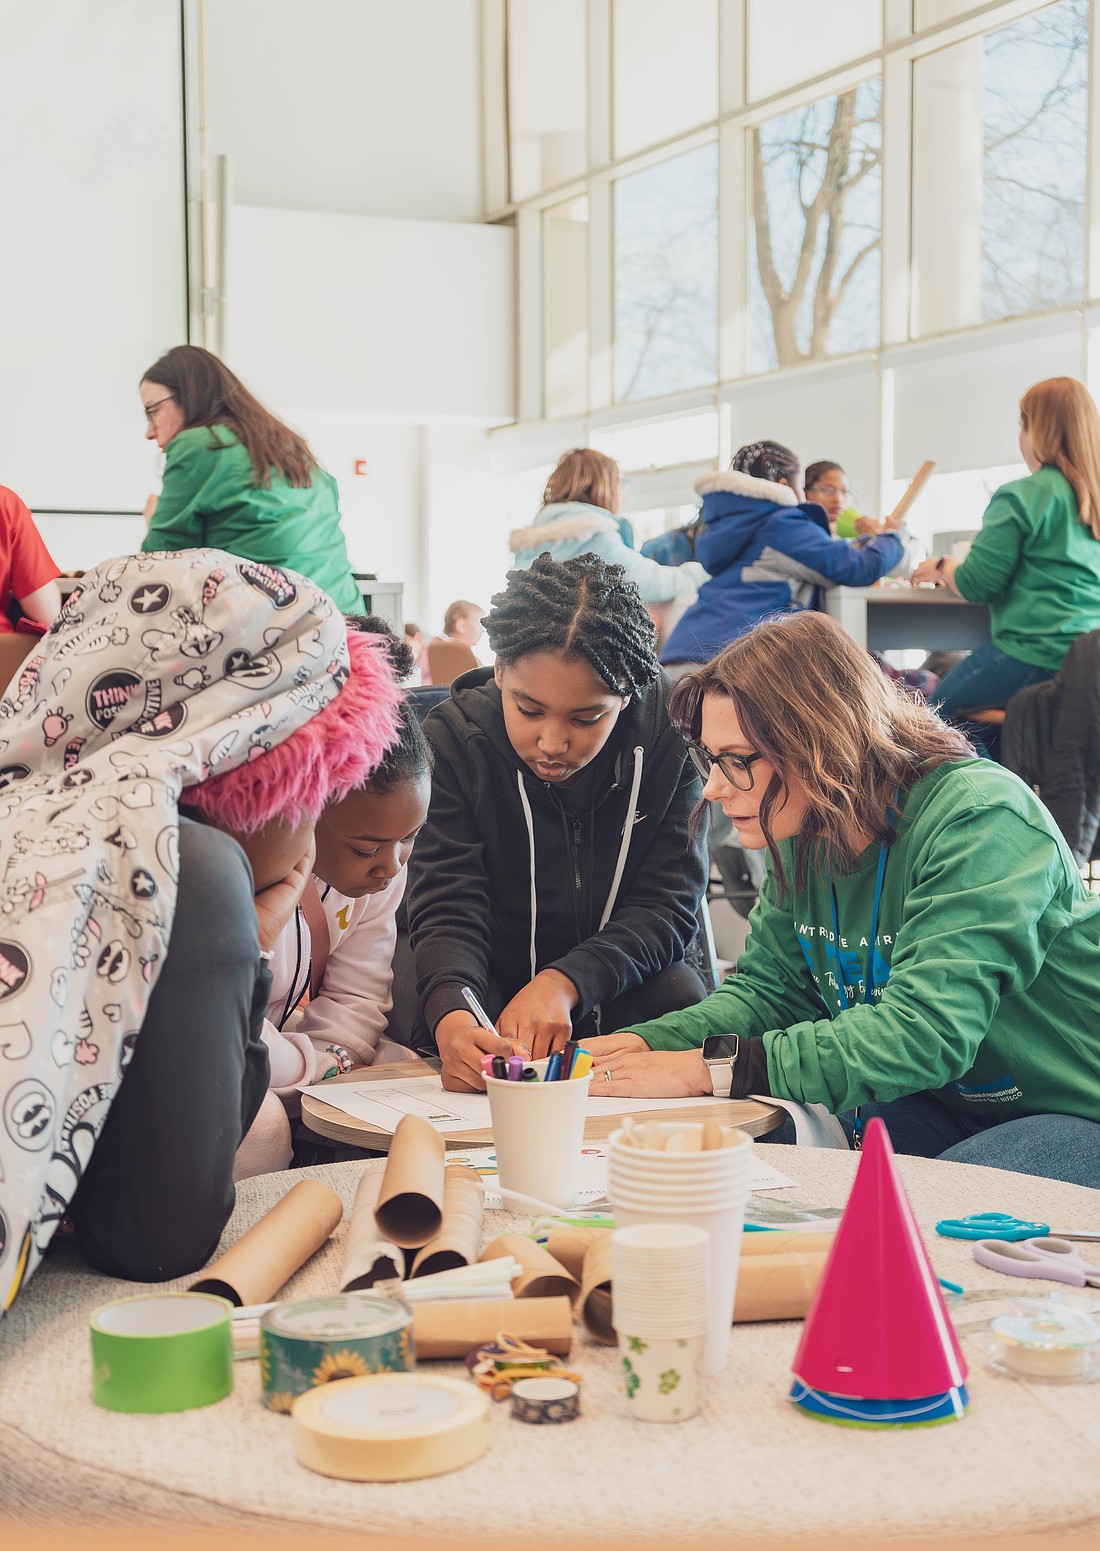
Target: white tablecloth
[{"x": 1025, "y": 1459}]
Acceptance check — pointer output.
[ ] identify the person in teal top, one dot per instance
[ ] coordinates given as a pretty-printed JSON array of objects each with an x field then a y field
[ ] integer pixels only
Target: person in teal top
[
  {"x": 924, "y": 948},
  {"x": 1036, "y": 560},
  {"x": 237, "y": 478}
]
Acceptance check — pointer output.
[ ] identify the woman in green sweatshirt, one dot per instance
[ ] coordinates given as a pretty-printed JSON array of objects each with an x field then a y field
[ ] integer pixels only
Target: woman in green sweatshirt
[
  {"x": 237, "y": 478},
  {"x": 1036, "y": 560},
  {"x": 923, "y": 947}
]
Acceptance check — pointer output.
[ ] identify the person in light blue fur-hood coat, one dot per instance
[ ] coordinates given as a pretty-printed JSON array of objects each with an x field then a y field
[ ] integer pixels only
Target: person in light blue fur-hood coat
[{"x": 581, "y": 498}]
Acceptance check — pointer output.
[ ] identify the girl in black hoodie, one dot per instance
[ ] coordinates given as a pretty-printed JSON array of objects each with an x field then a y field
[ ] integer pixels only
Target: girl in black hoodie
[{"x": 557, "y": 876}]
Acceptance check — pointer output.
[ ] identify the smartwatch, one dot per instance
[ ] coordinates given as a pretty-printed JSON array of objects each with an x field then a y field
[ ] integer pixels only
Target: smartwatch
[{"x": 720, "y": 1056}]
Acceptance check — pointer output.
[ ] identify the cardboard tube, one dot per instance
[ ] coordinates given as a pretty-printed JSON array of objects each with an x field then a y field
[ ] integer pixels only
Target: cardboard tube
[
  {"x": 779, "y": 1243},
  {"x": 570, "y": 1245},
  {"x": 409, "y": 1209},
  {"x": 776, "y": 1286},
  {"x": 368, "y": 1258},
  {"x": 541, "y": 1275},
  {"x": 254, "y": 1269},
  {"x": 449, "y": 1330},
  {"x": 596, "y": 1290},
  {"x": 916, "y": 485},
  {"x": 458, "y": 1242}
]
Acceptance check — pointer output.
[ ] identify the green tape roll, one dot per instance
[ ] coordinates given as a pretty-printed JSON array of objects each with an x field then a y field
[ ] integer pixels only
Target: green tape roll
[{"x": 162, "y": 1352}]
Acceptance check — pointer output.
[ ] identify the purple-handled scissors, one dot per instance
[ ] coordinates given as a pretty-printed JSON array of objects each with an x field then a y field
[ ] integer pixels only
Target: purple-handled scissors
[{"x": 1047, "y": 1259}]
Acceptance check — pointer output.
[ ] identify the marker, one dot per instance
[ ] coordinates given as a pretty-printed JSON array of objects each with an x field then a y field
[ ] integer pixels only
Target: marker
[
  {"x": 515, "y": 1068},
  {"x": 582, "y": 1065},
  {"x": 500, "y": 1068},
  {"x": 553, "y": 1067},
  {"x": 568, "y": 1060},
  {"x": 478, "y": 1011},
  {"x": 529, "y": 1074}
]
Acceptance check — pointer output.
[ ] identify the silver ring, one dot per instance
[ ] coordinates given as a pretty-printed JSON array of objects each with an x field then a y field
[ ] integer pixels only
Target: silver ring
[{"x": 607, "y": 1074}]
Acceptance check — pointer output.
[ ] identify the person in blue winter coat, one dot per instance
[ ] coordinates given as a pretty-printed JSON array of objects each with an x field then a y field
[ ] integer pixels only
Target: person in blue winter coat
[
  {"x": 578, "y": 517},
  {"x": 767, "y": 551}
]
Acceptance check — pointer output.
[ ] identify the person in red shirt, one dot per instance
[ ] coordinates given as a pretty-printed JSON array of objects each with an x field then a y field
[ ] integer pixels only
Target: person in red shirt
[{"x": 27, "y": 569}]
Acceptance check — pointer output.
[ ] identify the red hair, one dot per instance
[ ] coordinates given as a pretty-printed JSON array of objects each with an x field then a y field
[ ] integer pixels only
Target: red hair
[{"x": 335, "y": 752}]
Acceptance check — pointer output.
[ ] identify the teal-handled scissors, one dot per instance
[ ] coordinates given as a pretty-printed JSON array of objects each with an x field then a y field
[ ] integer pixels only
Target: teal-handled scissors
[{"x": 1000, "y": 1225}]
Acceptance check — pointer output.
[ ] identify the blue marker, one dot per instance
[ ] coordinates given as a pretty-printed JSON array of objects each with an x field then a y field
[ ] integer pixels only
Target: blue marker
[{"x": 553, "y": 1067}]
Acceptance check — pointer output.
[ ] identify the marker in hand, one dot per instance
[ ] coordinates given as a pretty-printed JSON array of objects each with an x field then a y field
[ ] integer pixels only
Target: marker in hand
[{"x": 484, "y": 1020}]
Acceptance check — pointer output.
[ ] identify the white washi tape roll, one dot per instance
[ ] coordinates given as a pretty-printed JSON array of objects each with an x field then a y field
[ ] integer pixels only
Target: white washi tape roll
[
  {"x": 390, "y": 1427},
  {"x": 1056, "y": 1344}
]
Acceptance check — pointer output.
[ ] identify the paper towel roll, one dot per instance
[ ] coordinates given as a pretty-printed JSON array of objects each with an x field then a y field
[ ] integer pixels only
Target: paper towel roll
[
  {"x": 265, "y": 1257},
  {"x": 450, "y": 1330}
]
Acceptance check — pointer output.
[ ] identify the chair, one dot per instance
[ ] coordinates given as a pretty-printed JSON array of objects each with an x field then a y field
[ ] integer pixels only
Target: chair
[
  {"x": 447, "y": 659},
  {"x": 15, "y": 648}
]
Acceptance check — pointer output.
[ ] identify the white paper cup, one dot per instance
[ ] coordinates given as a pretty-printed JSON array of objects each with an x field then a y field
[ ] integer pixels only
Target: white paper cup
[
  {"x": 538, "y": 1132},
  {"x": 661, "y": 1377}
]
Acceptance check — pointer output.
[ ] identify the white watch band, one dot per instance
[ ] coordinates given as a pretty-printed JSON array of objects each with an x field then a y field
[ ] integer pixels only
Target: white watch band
[{"x": 721, "y": 1078}]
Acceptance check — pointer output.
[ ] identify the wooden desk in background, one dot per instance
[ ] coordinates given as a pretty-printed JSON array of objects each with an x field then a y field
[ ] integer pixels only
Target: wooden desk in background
[
  {"x": 752, "y": 1116},
  {"x": 882, "y": 619}
]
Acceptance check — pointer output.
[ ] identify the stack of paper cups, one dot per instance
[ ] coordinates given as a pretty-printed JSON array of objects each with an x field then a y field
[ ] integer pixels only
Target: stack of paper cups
[
  {"x": 703, "y": 1189},
  {"x": 659, "y": 1298}
]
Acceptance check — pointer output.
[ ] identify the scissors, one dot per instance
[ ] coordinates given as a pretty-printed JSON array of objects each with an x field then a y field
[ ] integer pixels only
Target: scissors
[
  {"x": 999, "y": 1225},
  {"x": 1047, "y": 1259}
]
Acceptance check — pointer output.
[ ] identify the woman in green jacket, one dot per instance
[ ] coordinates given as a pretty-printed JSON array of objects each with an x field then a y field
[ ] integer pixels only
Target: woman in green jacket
[
  {"x": 923, "y": 949},
  {"x": 237, "y": 478},
  {"x": 1036, "y": 560}
]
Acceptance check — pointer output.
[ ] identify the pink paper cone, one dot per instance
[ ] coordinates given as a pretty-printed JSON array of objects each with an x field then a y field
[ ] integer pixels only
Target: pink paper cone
[{"x": 877, "y": 1328}]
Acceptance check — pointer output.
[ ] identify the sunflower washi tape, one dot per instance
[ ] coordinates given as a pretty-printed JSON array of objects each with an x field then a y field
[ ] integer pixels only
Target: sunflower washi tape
[{"x": 318, "y": 1340}]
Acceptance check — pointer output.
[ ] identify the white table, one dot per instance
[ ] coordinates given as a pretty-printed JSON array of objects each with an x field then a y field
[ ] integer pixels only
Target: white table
[
  {"x": 749, "y": 1464},
  {"x": 881, "y": 619}
]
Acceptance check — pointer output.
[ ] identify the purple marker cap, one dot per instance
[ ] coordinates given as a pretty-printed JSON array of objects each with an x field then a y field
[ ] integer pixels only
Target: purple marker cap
[{"x": 515, "y": 1068}]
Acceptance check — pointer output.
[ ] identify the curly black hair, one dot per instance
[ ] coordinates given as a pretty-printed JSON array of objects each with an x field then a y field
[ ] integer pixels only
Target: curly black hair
[
  {"x": 410, "y": 757},
  {"x": 581, "y": 607}
]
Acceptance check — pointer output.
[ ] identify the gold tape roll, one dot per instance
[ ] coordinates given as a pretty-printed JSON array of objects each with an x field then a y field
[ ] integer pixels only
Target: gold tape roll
[{"x": 390, "y": 1427}]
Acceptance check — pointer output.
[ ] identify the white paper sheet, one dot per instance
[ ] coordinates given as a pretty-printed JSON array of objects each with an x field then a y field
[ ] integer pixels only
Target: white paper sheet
[
  {"x": 385, "y": 1104},
  {"x": 592, "y": 1184}
]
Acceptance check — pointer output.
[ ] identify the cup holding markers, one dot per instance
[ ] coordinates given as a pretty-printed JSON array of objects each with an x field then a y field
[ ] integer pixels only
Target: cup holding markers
[
  {"x": 660, "y": 1305},
  {"x": 538, "y": 1132}
]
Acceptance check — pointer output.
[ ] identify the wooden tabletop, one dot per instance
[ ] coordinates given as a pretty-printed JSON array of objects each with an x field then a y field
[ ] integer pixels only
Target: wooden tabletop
[{"x": 750, "y": 1114}]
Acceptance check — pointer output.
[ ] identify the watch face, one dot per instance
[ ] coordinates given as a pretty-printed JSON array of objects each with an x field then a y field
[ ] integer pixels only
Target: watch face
[{"x": 720, "y": 1047}]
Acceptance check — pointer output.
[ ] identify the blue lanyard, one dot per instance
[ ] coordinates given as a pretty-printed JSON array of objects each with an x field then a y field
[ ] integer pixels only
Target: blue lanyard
[{"x": 869, "y": 977}]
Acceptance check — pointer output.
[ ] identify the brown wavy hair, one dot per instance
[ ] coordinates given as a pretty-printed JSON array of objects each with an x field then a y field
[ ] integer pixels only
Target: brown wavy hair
[
  {"x": 208, "y": 393},
  {"x": 824, "y": 716},
  {"x": 582, "y": 474},
  {"x": 1061, "y": 419}
]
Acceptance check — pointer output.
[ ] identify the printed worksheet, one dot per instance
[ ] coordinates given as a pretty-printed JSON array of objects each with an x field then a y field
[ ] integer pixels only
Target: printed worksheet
[{"x": 385, "y": 1104}]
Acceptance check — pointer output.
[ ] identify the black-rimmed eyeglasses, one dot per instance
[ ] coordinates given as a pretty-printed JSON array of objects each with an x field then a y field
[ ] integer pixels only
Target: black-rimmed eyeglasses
[
  {"x": 151, "y": 409},
  {"x": 737, "y": 768}
]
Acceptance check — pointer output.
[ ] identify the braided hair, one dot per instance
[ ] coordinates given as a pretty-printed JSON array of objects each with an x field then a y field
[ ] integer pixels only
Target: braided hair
[
  {"x": 581, "y": 607},
  {"x": 766, "y": 460},
  {"x": 409, "y": 758}
]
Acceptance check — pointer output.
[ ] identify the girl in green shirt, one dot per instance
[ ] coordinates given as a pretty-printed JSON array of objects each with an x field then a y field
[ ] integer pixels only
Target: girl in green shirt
[
  {"x": 237, "y": 478},
  {"x": 924, "y": 947},
  {"x": 1036, "y": 560}
]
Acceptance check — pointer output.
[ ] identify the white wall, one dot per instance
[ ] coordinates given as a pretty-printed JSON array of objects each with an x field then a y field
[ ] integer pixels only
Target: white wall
[
  {"x": 92, "y": 269},
  {"x": 411, "y": 319},
  {"x": 466, "y": 521},
  {"x": 369, "y": 107}
]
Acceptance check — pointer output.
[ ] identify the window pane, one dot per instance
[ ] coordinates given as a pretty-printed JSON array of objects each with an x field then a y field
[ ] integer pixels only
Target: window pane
[
  {"x": 565, "y": 298},
  {"x": 666, "y": 277},
  {"x": 666, "y": 77},
  {"x": 817, "y": 226},
  {"x": 1000, "y": 127},
  {"x": 795, "y": 40},
  {"x": 547, "y": 87},
  {"x": 661, "y": 443}
]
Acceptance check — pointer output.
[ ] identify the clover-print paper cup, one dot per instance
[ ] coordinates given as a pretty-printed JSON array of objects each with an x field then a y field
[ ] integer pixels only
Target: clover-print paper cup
[{"x": 661, "y": 1377}]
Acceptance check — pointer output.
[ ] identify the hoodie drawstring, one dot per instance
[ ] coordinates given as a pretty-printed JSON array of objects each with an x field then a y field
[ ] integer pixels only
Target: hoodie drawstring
[
  {"x": 531, "y": 851},
  {"x": 628, "y": 830},
  {"x": 620, "y": 865}
]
